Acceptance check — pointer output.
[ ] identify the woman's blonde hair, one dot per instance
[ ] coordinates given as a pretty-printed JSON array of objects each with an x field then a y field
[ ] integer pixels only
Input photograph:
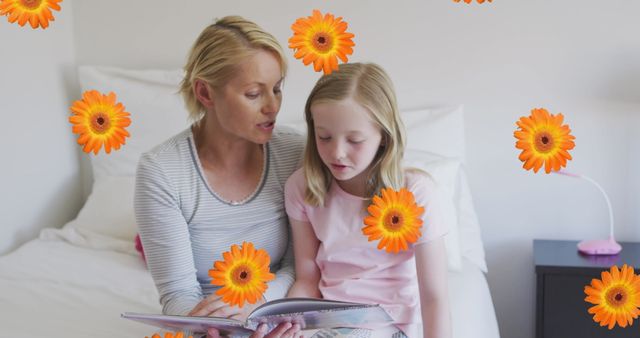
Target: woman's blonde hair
[
  {"x": 217, "y": 52},
  {"x": 370, "y": 86}
]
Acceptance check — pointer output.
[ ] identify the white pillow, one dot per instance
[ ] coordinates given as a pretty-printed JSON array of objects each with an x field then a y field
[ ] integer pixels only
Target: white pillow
[
  {"x": 438, "y": 130},
  {"x": 157, "y": 112},
  {"x": 444, "y": 172},
  {"x": 468, "y": 226},
  {"x": 108, "y": 212}
]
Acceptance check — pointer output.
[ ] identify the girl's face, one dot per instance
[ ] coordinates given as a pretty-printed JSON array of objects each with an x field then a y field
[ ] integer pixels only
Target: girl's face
[
  {"x": 246, "y": 107},
  {"x": 347, "y": 138}
]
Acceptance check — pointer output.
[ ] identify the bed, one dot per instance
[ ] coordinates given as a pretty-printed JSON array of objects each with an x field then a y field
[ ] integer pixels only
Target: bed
[{"x": 76, "y": 281}]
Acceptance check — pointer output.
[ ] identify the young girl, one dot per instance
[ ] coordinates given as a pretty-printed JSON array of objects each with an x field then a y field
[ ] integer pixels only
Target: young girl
[{"x": 355, "y": 144}]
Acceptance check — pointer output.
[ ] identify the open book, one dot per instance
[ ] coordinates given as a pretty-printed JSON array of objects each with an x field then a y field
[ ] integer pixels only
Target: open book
[{"x": 310, "y": 313}]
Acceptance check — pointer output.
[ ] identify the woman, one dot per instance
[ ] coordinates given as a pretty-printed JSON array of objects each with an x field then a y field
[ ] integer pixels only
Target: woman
[{"x": 221, "y": 181}]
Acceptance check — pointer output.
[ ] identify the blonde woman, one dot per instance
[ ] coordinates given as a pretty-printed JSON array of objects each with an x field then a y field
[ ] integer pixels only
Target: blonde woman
[
  {"x": 355, "y": 144},
  {"x": 220, "y": 182}
]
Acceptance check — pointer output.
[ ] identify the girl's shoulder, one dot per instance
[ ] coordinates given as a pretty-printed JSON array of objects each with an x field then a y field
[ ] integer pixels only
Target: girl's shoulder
[
  {"x": 294, "y": 190},
  {"x": 296, "y": 183},
  {"x": 421, "y": 184},
  {"x": 418, "y": 178},
  {"x": 297, "y": 178}
]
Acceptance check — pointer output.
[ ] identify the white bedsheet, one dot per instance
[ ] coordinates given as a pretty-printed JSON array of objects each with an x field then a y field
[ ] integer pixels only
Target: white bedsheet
[
  {"x": 472, "y": 311},
  {"x": 54, "y": 289}
]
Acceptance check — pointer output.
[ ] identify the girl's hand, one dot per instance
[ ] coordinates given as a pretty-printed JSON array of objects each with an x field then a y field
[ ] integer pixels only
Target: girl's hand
[{"x": 284, "y": 330}]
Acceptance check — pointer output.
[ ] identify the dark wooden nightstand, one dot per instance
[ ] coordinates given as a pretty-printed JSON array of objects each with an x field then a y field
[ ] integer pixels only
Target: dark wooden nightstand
[{"x": 562, "y": 273}]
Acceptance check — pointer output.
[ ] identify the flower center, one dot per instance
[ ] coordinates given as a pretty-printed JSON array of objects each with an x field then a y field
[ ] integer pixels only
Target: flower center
[
  {"x": 544, "y": 142},
  {"x": 100, "y": 123},
  {"x": 617, "y": 297},
  {"x": 393, "y": 221},
  {"x": 31, "y": 4},
  {"x": 322, "y": 42},
  {"x": 241, "y": 275}
]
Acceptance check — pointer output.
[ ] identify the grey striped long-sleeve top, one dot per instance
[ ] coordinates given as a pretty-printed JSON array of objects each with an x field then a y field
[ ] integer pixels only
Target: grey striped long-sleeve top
[{"x": 185, "y": 227}]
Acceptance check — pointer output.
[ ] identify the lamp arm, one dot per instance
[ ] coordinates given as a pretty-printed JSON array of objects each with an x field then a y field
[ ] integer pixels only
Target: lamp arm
[{"x": 604, "y": 193}]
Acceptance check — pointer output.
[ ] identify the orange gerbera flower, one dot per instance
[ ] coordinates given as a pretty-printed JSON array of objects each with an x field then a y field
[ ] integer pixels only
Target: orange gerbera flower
[
  {"x": 321, "y": 40},
  {"x": 99, "y": 120},
  {"x": 36, "y": 12},
  {"x": 394, "y": 220},
  {"x": 543, "y": 140},
  {"x": 169, "y": 335},
  {"x": 469, "y": 1},
  {"x": 616, "y": 297},
  {"x": 243, "y": 274}
]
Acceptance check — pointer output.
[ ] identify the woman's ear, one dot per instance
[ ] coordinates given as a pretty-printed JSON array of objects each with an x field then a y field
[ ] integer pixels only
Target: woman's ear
[{"x": 204, "y": 93}]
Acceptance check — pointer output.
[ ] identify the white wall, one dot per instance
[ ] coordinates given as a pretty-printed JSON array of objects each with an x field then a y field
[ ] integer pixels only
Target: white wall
[
  {"x": 499, "y": 59},
  {"x": 633, "y": 198},
  {"x": 39, "y": 172}
]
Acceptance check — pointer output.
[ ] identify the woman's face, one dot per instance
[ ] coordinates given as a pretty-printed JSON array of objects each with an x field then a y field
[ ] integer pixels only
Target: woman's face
[
  {"x": 246, "y": 107},
  {"x": 346, "y": 136}
]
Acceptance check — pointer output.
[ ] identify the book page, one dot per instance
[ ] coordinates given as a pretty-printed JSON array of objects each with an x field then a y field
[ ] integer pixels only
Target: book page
[
  {"x": 298, "y": 305},
  {"x": 193, "y": 324},
  {"x": 318, "y": 313}
]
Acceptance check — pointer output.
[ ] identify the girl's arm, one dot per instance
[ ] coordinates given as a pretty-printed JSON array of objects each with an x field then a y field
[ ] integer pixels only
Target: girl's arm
[
  {"x": 431, "y": 265},
  {"x": 305, "y": 249}
]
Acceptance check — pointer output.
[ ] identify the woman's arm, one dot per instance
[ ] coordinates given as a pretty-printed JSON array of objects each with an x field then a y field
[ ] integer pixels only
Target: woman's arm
[
  {"x": 285, "y": 276},
  {"x": 431, "y": 265},
  {"x": 305, "y": 248},
  {"x": 165, "y": 238}
]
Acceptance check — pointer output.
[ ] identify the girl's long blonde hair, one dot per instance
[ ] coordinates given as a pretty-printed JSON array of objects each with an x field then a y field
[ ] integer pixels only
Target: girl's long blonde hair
[
  {"x": 218, "y": 51},
  {"x": 370, "y": 86}
]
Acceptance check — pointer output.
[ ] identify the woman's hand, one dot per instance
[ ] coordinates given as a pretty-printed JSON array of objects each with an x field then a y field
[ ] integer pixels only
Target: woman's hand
[
  {"x": 284, "y": 330},
  {"x": 213, "y": 306}
]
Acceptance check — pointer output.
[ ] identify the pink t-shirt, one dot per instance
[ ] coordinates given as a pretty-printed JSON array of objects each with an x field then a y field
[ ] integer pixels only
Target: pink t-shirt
[{"x": 351, "y": 267}]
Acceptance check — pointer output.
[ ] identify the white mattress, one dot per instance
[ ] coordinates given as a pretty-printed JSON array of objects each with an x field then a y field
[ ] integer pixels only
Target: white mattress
[{"x": 52, "y": 288}]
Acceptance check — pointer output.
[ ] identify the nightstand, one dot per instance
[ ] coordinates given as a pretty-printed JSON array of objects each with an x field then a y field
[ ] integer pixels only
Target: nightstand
[{"x": 561, "y": 275}]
